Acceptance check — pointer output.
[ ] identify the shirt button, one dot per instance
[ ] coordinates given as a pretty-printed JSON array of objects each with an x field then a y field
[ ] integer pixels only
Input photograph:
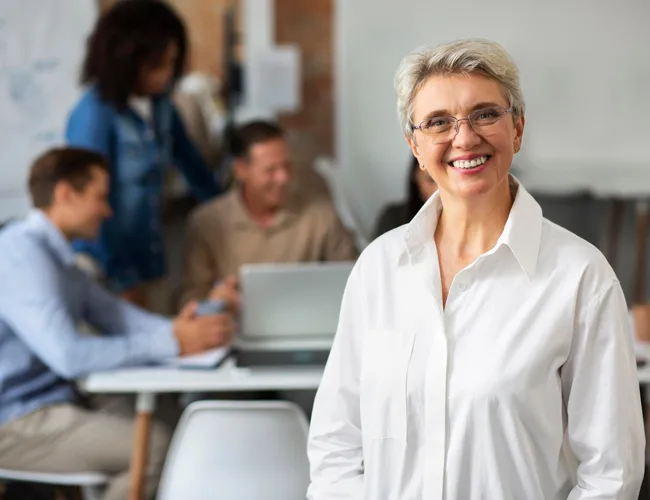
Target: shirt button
[{"x": 462, "y": 286}]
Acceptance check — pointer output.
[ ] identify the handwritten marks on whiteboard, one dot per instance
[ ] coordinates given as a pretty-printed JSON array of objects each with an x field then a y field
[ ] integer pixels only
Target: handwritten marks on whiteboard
[{"x": 41, "y": 49}]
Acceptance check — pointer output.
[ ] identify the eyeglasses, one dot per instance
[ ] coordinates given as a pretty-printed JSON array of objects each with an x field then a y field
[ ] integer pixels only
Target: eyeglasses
[{"x": 444, "y": 128}]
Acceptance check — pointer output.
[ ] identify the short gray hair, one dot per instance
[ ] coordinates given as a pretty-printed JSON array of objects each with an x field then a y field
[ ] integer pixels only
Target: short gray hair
[{"x": 479, "y": 56}]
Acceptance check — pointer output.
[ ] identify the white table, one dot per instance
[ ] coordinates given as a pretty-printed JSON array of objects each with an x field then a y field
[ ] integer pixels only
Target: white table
[
  {"x": 227, "y": 378},
  {"x": 149, "y": 381}
]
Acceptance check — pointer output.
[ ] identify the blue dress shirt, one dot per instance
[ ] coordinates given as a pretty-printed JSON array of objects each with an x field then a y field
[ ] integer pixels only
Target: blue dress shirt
[
  {"x": 130, "y": 245},
  {"x": 43, "y": 299}
]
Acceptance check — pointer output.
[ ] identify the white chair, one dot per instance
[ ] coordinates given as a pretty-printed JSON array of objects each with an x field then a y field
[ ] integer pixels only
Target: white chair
[
  {"x": 91, "y": 484},
  {"x": 244, "y": 450}
]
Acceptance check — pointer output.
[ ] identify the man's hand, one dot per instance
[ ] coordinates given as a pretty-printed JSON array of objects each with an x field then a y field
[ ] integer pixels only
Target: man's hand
[
  {"x": 228, "y": 291},
  {"x": 196, "y": 334}
]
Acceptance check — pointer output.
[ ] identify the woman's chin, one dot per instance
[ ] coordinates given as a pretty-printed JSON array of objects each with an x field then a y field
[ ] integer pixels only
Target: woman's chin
[
  {"x": 478, "y": 183},
  {"x": 474, "y": 187}
]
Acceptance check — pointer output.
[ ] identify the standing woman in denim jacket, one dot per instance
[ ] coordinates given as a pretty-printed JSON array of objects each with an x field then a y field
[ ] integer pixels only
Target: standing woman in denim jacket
[{"x": 135, "y": 55}]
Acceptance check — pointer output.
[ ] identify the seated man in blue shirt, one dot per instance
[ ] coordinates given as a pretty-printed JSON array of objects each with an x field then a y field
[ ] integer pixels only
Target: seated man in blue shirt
[{"x": 43, "y": 299}]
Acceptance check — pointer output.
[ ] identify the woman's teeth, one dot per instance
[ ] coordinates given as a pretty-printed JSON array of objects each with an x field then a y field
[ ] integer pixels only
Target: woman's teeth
[{"x": 471, "y": 163}]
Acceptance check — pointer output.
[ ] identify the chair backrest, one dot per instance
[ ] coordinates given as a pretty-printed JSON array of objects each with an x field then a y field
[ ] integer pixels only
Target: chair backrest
[{"x": 244, "y": 450}]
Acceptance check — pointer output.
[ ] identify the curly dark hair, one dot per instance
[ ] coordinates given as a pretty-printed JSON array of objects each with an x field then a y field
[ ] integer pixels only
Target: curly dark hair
[{"x": 128, "y": 36}]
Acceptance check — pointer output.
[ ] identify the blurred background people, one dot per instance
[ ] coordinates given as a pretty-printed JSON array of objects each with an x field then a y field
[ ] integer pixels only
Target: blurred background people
[
  {"x": 420, "y": 188},
  {"x": 135, "y": 55},
  {"x": 44, "y": 425},
  {"x": 264, "y": 218}
]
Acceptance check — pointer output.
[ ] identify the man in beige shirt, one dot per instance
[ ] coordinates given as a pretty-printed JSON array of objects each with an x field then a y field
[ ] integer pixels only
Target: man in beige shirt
[{"x": 262, "y": 219}]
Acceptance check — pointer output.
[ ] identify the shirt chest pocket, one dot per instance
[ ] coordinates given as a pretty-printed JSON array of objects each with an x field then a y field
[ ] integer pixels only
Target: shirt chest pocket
[{"x": 384, "y": 372}]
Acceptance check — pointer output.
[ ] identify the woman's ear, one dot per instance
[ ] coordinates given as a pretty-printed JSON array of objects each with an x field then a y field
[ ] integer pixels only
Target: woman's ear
[{"x": 519, "y": 133}]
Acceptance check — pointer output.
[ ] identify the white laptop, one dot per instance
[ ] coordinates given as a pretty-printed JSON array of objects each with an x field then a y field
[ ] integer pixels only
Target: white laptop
[{"x": 291, "y": 304}]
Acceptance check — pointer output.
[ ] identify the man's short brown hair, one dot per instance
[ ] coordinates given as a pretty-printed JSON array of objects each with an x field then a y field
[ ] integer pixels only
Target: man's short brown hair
[
  {"x": 71, "y": 165},
  {"x": 252, "y": 133}
]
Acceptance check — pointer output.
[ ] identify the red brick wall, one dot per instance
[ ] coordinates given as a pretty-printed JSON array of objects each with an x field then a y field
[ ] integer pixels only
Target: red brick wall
[
  {"x": 204, "y": 20},
  {"x": 309, "y": 24}
]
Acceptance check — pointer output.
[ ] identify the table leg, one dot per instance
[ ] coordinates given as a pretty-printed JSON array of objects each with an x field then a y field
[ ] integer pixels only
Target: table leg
[{"x": 145, "y": 406}]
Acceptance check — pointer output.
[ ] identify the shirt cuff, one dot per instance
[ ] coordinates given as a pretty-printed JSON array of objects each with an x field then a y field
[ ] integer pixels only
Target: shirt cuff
[{"x": 160, "y": 344}]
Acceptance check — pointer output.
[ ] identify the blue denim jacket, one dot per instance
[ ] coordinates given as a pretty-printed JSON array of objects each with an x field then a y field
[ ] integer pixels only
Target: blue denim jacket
[{"x": 130, "y": 245}]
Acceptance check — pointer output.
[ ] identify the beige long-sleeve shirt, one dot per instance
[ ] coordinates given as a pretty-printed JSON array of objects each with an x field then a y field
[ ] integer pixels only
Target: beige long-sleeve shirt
[{"x": 222, "y": 237}]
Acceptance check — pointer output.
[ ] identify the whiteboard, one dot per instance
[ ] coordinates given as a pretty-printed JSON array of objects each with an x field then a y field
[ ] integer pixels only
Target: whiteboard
[
  {"x": 585, "y": 74},
  {"x": 41, "y": 49}
]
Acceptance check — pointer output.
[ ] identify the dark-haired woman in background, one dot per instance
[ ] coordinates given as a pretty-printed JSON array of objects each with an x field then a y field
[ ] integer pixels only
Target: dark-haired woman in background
[
  {"x": 135, "y": 55},
  {"x": 420, "y": 188}
]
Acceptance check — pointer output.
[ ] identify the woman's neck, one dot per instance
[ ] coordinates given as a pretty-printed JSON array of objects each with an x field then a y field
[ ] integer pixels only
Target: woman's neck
[{"x": 467, "y": 229}]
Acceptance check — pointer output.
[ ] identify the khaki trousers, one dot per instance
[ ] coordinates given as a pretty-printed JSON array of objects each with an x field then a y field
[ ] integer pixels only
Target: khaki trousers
[{"x": 67, "y": 438}]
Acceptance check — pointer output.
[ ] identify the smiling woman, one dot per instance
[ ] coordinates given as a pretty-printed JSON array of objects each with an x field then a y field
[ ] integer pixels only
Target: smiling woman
[{"x": 479, "y": 340}]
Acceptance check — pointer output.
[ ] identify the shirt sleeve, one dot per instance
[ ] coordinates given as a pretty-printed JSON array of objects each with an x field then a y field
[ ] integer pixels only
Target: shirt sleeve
[
  {"x": 200, "y": 179},
  {"x": 90, "y": 126},
  {"x": 335, "y": 445},
  {"x": 35, "y": 308},
  {"x": 338, "y": 244},
  {"x": 111, "y": 315},
  {"x": 200, "y": 272},
  {"x": 601, "y": 391}
]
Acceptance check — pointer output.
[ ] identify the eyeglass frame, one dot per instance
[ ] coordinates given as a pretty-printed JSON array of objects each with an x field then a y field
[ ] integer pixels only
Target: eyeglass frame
[{"x": 467, "y": 119}]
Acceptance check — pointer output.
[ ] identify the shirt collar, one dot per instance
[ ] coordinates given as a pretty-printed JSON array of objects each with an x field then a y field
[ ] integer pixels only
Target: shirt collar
[
  {"x": 53, "y": 237},
  {"x": 521, "y": 234},
  {"x": 240, "y": 219},
  {"x": 523, "y": 230}
]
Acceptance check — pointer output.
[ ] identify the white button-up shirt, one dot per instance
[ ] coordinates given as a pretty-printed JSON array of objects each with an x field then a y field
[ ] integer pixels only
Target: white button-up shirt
[{"x": 523, "y": 387}]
